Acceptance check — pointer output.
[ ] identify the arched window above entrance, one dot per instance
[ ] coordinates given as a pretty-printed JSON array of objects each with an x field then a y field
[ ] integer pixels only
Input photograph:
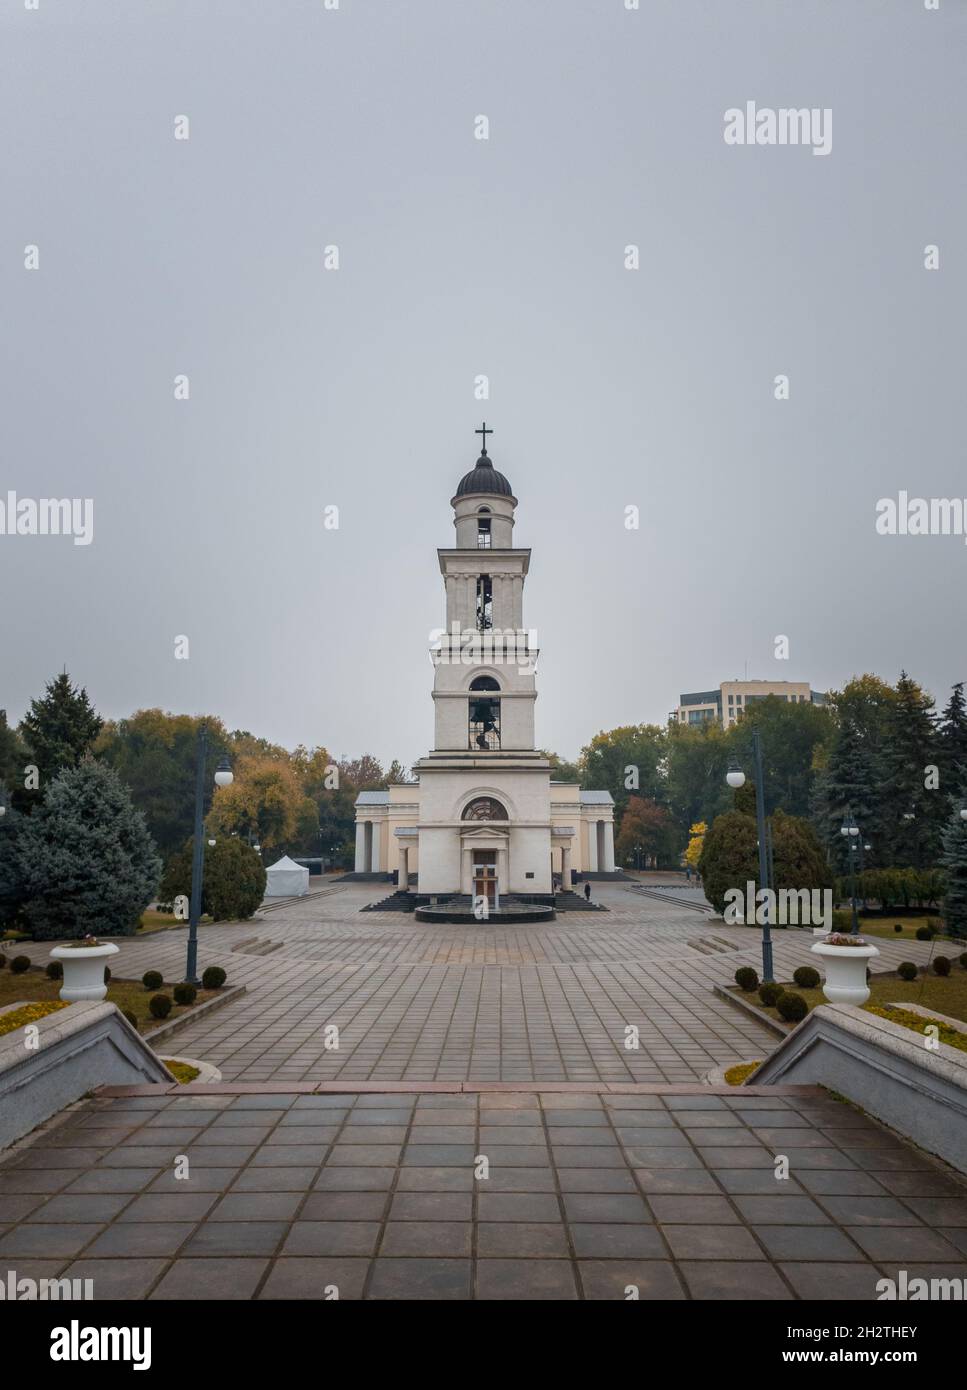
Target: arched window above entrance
[{"x": 485, "y": 808}]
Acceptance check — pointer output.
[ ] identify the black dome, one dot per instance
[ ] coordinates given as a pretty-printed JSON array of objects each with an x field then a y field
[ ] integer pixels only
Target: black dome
[{"x": 483, "y": 477}]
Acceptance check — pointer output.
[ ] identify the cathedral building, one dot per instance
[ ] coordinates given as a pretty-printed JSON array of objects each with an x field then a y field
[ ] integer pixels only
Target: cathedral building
[{"x": 485, "y": 816}]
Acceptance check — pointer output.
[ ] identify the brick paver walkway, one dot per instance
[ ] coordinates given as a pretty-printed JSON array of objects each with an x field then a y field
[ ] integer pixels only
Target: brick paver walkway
[
  {"x": 589, "y": 1195},
  {"x": 424, "y": 1002}
]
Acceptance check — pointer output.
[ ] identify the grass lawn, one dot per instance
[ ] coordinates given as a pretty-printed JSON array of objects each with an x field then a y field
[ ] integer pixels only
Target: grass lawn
[
  {"x": 875, "y": 925},
  {"x": 946, "y": 995},
  {"x": 157, "y": 921},
  {"x": 127, "y": 994}
]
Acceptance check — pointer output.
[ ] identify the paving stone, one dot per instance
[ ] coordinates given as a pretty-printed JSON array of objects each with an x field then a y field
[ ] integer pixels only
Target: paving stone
[
  {"x": 117, "y": 1279},
  {"x": 706, "y": 1242},
  {"x": 257, "y": 1206},
  {"x": 523, "y": 1240},
  {"x": 211, "y": 1279},
  {"x": 435, "y": 1180},
  {"x": 276, "y": 1179},
  {"x": 621, "y": 1279},
  {"x": 331, "y": 1238},
  {"x": 427, "y": 1238},
  {"x": 431, "y": 1206},
  {"x": 692, "y": 1209},
  {"x": 316, "y": 1278},
  {"x": 133, "y": 1238},
  {"x": 236, "y": 1238},
  {"x": 355, "y": 1180},
  {"x": 35, "y": 1241},
  {"x": 677, "y": 1180},
  {"x": 842, "y": 1282},
  {"x": 737, "y": 1280},
  {"x": 525, "y": 1279},
  {"x": 806, "y": 1243},
  {"x": 606, "y": 1207},
  {"x": 420, "y": 1279},
  {"x": 518, "y": 1206},
  {"x": 614, "y": 1240},
  {"x": 780, "y": 1209},
  {"x": 162, "y": 1206},
  {"x": 901, "y": 1243},
  {"x": 77, "y": 1208}
]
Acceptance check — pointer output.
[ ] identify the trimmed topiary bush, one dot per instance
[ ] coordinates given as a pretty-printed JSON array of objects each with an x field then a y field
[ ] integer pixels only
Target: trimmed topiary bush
[
  {"x": 941, "y": 965},
  {"x": 898, "y": 926},
  {"x": 806, "y": 977},
  {"x": 233, "y": 884},
  {"x": 159, "y": 1006},
  {"x": 769, "y": 993},
  {"x": 3, "y": 960},
  {"x": 792, "y": 1007},
  {"x": 55, "y": 971},
  {"x": 963, "y": 960},
  {"x": 907, "y": 970},
  {"x": 131, "y": 1018},
  {"x": 214, "y": 977},
  {"x": 19, "y": 964},
  {"x": 152, "y": 979},
  {"x": 923, "y": 933},
  {"x": 185, "y": 993}
]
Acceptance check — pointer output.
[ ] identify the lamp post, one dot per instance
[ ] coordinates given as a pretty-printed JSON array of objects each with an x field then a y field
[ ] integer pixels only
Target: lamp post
[
  {"x": 736, "y": 778},
  {"x": 223, "y": 778},
  {"x": 851, "y": 830}
]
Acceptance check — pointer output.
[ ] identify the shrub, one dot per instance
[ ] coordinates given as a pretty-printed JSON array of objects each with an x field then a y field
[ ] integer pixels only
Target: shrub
[
  {"x": 907, "y": 970},
  {"x": 152, "y": 979},
  {"x": 234, "y": 879},
  {"x": 55, "y": 971},
  {"x": 3, "y": 960},
  {"x": 131, "y": 1018},
  {"x": 963, "y": 960},
  {"x": 898, "y": 926},
  {"x": 769, "y": 993},
  {"x": 792, "y": 1007},
  {"x": 214, "y": 977},
  {"x": 941, "y": 965},
  {"x": 107, "y": 975},
  {"x": 806, "y": 977},
  {"x": 159, "y": 1006},
  {"x": 19, "y": 964},
  {"x": 923, "y": 933},
  {"x": 745, "y": 977},
  {"x": 185, "y": 993},
  {"x": 842, "y": 922}
]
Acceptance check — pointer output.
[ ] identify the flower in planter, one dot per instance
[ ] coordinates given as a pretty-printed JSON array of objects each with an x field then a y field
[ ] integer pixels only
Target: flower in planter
[
  {"x": 83, "y": 944},
  {"x": 839, "y": 939}
]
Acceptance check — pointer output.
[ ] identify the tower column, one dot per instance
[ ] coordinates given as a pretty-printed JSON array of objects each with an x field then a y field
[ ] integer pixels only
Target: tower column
[
  {"x": 592, "y": 829},
  {"x": 566, "y": 868},
  {"x": 466, "y": 871},
  {"x": 503, "y": 873},
  {"x": 374, "y": 865},
  {"x": 361, "y": 863},
  {"x": 404, "y": 876}
]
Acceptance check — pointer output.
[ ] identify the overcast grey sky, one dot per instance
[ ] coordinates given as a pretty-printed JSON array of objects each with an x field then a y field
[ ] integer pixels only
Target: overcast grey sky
[{"x": 459, "y": 257}]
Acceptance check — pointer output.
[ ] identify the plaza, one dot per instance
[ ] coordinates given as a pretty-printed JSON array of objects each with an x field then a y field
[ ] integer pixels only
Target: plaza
[{"x": 612, "y": 1172}]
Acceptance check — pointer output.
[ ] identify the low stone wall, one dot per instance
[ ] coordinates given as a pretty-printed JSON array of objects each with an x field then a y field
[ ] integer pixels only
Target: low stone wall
[
  {"x": 886, "y": 1070},
  {"x": 78, "y": 1048}
]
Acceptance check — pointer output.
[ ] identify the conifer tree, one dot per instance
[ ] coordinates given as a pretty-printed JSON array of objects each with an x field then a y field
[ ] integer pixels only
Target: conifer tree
[{"x": 59, "y": 728}]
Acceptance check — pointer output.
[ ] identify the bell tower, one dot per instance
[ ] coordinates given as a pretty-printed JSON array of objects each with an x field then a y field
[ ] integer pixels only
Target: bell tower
[
  {"x": 484, "y": 688},
  {"x": 485, "y": 813}
]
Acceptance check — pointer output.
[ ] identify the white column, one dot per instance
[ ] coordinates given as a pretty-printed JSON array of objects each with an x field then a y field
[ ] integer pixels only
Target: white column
[
  {"x": 503, "y": 873},
  {"x": 609, "y": 845},
  {"x": 361, "y": 865},
  {"x": 566, "y": 868},
  {"x": 592, "y": 829},
  {"x": 374, "y": 867},
  {"x": 404, "y": 882},
  {"x": 466, "y": 870}
]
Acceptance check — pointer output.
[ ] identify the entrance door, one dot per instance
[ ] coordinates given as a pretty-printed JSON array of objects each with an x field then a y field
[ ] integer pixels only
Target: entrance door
[{"x": 485, "y": 875}]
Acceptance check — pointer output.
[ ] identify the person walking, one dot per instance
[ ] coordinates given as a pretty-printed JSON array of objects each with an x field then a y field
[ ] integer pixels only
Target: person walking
[{"x": 587, "y": 892}]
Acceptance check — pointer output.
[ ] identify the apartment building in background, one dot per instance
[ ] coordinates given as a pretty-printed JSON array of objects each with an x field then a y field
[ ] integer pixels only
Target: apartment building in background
[{"x": 727, "y": 704}]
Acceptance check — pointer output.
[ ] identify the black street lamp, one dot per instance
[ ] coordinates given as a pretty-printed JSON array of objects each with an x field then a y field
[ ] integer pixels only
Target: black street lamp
[
  {"x": 851, "y": 830},
  {"x": 223, "y": 778},
  {"x": 736, "y": 778}
]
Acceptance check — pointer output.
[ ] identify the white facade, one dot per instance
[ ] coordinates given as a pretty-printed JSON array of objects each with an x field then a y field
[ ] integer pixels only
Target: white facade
[{"x": 485, "y": 816}]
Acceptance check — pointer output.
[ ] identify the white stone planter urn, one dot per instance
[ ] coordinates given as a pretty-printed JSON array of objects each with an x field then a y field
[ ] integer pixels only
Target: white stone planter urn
[
  {"x": 845, "y": 970},
  {"x": 83, "y": 970}
]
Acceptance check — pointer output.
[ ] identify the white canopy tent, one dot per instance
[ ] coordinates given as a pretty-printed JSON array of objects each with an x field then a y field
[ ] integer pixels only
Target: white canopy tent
[{"x": 286, "y": 879}]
